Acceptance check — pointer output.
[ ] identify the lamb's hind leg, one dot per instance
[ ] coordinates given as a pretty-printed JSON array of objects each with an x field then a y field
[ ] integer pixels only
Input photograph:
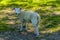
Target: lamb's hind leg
[
  {"x": 36, "y": 30},
  {"x": 34, "y": 22}
]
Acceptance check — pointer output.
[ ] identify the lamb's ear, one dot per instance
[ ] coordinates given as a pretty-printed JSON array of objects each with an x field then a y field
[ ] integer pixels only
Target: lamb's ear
[{"x": 20, "y": 8}]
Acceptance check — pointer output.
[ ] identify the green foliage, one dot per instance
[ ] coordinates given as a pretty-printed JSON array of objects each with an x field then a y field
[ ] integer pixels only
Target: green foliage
[{"x": 28, "y": 3}]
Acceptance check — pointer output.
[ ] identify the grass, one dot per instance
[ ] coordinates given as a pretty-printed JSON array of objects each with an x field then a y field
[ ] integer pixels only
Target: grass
[
  {"x": 49, "y": 11},
  {"x": 49, "y": 21}
]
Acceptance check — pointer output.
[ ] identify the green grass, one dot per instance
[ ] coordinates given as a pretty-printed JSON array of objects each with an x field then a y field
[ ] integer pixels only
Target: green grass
[{"x": 49, "y": 19}]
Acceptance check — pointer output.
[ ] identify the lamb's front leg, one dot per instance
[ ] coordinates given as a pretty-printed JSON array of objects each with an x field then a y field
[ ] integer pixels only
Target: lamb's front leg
[{"x": 21, "y": 27}]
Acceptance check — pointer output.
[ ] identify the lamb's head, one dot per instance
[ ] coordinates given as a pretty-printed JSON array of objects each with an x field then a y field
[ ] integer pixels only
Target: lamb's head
[{"x": 17, "y": 10}]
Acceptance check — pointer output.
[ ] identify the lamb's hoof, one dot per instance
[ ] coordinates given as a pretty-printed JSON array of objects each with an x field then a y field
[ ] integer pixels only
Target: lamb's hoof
[
  {"x": 20, "y": 31},
  {"x": 36, "y": 36}
]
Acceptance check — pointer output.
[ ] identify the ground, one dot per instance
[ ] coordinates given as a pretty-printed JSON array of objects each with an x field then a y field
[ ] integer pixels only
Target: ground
[{"x": 29, "y": 35}]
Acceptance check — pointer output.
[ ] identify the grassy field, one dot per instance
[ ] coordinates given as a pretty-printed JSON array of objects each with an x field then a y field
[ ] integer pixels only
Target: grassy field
[
  {"x": 49, "y": 11},
  {"x": 50, "y": 21}
]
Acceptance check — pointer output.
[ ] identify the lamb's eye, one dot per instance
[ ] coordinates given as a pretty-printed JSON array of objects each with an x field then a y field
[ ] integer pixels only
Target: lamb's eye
[{"x": 20, "y": 8}]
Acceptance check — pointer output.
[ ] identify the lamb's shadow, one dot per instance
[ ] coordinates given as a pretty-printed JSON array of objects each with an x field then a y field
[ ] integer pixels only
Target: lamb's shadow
[{"x": 16, "y": 35}]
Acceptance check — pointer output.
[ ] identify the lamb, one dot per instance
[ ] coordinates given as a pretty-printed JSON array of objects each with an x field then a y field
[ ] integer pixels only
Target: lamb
[{"x": 28, "y": 16}]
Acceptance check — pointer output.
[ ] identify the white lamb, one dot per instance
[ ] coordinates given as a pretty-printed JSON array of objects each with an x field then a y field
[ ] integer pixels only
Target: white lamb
[{"x": 28, "y": 16}]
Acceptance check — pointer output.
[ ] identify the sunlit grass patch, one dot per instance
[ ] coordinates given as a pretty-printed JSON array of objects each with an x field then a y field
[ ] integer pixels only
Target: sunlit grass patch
[
  {"x": 51, "y": 30},
  {"x": 51, "y": 24}
]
